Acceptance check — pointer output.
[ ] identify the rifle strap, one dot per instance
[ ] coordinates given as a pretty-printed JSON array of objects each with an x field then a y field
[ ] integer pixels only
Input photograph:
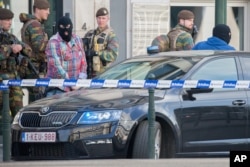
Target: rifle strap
[{"x": 24, "y": 29}]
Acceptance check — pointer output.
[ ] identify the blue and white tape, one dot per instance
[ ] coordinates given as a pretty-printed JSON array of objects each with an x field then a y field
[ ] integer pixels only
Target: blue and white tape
[{"x": 127, "y": 83}]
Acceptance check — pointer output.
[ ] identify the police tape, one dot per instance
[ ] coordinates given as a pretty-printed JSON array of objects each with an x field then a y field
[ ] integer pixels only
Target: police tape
[{"x": 98, "y": 83}]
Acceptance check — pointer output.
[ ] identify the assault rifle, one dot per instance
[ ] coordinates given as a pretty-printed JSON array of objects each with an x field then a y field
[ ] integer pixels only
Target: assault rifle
[
  {"x": 90, "y": 53},
  {"x": 8, "y": 39},
  {"x": 89, "y": 57}
]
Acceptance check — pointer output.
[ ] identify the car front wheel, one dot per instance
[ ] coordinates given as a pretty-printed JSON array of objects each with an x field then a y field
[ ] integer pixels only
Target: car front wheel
[{"x": 140, "y": 149}]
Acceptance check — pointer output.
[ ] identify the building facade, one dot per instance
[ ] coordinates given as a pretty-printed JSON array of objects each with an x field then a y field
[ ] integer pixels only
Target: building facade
[{"x": 137, "y": 22}]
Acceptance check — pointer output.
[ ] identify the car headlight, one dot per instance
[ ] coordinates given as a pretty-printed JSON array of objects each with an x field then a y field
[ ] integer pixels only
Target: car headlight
[
  {"x": 93, "y": 117},
  {"x": 16, "y": 118}
]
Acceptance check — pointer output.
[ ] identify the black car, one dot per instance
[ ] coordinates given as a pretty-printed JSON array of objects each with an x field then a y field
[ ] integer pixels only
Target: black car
[{"x": 113, "y": 122}]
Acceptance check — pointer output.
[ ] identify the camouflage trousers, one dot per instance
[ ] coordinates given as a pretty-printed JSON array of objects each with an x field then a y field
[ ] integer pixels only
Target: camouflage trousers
[
  {"x": 15, "y": 96},
  {"x": 25, "y": 72}
]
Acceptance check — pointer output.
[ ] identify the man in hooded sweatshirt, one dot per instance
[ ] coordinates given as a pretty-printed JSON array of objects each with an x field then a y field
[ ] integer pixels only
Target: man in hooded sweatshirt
[
  {"x": 34, "y": 35},
  {"x": 219, "y": 41}
]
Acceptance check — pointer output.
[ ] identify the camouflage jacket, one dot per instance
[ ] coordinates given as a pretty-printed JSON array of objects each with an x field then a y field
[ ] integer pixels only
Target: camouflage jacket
[
  {"x": 34, "y": 35},
  {"x": 109, "y": 52},
  {"x": 8, "y": 60},
  {"x": 178, "y": 38},
  {"x": 185, "y": 40}
]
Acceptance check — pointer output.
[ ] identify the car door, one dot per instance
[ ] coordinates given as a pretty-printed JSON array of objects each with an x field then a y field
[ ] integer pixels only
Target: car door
[
  {"x": 245, "y": 61},
  {"x": 215, "y": 120}
]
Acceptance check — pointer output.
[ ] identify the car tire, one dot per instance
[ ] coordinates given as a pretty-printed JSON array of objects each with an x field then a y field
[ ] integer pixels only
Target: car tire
[{"x": 140, "y": 148}]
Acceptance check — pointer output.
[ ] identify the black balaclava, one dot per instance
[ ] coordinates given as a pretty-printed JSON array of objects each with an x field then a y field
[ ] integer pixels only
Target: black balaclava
[
  {"x": 223, "y": 32},
  {"x": 64, "y": 25}
]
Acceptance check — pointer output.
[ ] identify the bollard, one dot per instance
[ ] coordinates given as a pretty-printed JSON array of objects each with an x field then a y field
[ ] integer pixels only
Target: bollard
[
  {"x": 6, "y": 126},
  {"x": 151, "y": 125}
]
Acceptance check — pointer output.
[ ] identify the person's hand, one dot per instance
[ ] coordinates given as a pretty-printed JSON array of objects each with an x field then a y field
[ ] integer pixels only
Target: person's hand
[
  {"x": 66, "y": 76},
  {"x": 16, "y": 48},
  {"x": 74, "y": 88},
  {"x": 82, "y": 75}
]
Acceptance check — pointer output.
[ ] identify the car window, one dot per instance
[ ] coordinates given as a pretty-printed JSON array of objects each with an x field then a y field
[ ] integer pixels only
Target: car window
[
  {"x": 246, "y": 65},
  {"x": 131, "y": 70},
  {"x": 164, "y": 69},
  {"x": 219, "y": 69}
]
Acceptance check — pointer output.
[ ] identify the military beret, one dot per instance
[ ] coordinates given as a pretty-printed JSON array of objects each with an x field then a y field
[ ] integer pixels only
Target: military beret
[
  {"x": 102, "y": 12},
  {"x": 41, "y": 4},
  {"x": 6, "y": 14},
  {"x": 185, "y": 14}
]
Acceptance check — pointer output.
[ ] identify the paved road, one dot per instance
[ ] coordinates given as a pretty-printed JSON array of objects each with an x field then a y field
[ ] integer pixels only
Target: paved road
[
  {"x": 178, "y": 162},
  {"x": 219, "y": 162}
]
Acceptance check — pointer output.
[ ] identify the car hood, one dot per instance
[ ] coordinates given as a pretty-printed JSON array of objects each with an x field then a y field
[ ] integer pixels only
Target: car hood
[{"x": 94, "y": 99}]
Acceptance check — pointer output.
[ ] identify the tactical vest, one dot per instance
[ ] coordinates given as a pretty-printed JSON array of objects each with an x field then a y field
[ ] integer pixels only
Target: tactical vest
[{"x": 98, "y": 42}]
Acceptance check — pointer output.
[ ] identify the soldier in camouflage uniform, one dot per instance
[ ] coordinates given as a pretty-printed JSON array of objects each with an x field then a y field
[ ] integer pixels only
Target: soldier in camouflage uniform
[
  {"x": 10, "y": 49},
  {"x": 180, "y": 37},
  {"x": 33, "y": 34},
  {"x": 102, "y": 43}
]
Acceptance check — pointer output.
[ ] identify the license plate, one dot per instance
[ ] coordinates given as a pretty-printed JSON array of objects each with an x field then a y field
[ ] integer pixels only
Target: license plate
[{"x": 38, "y": 137}]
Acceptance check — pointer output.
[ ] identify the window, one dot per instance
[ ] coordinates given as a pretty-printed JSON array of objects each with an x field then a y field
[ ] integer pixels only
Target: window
[
  {"x": 246, "y": 67},
  {"x": 140, "y": 69},
  {"x": 219, "y": 69}
]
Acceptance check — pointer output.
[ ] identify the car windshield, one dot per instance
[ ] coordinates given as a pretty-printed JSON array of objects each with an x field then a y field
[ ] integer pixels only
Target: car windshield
[{"x": 164, "y": 68}]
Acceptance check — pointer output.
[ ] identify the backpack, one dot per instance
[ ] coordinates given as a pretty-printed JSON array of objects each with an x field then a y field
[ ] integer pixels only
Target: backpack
[{"x": 167, "y": 42}]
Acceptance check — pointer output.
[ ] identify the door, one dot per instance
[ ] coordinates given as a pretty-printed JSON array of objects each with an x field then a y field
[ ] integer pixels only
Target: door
[
  {"x": 56, "y": 11},
  {"x": 216, "y": 120},
  {"x": 245, "y": 61}
]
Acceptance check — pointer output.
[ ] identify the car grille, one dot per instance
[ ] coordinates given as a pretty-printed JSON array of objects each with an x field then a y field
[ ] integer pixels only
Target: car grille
[{"x": 55, "y": 119}]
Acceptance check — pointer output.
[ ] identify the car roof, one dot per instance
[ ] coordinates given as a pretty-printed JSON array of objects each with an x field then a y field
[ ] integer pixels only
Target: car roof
[{"x": 192, "y": 53}]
